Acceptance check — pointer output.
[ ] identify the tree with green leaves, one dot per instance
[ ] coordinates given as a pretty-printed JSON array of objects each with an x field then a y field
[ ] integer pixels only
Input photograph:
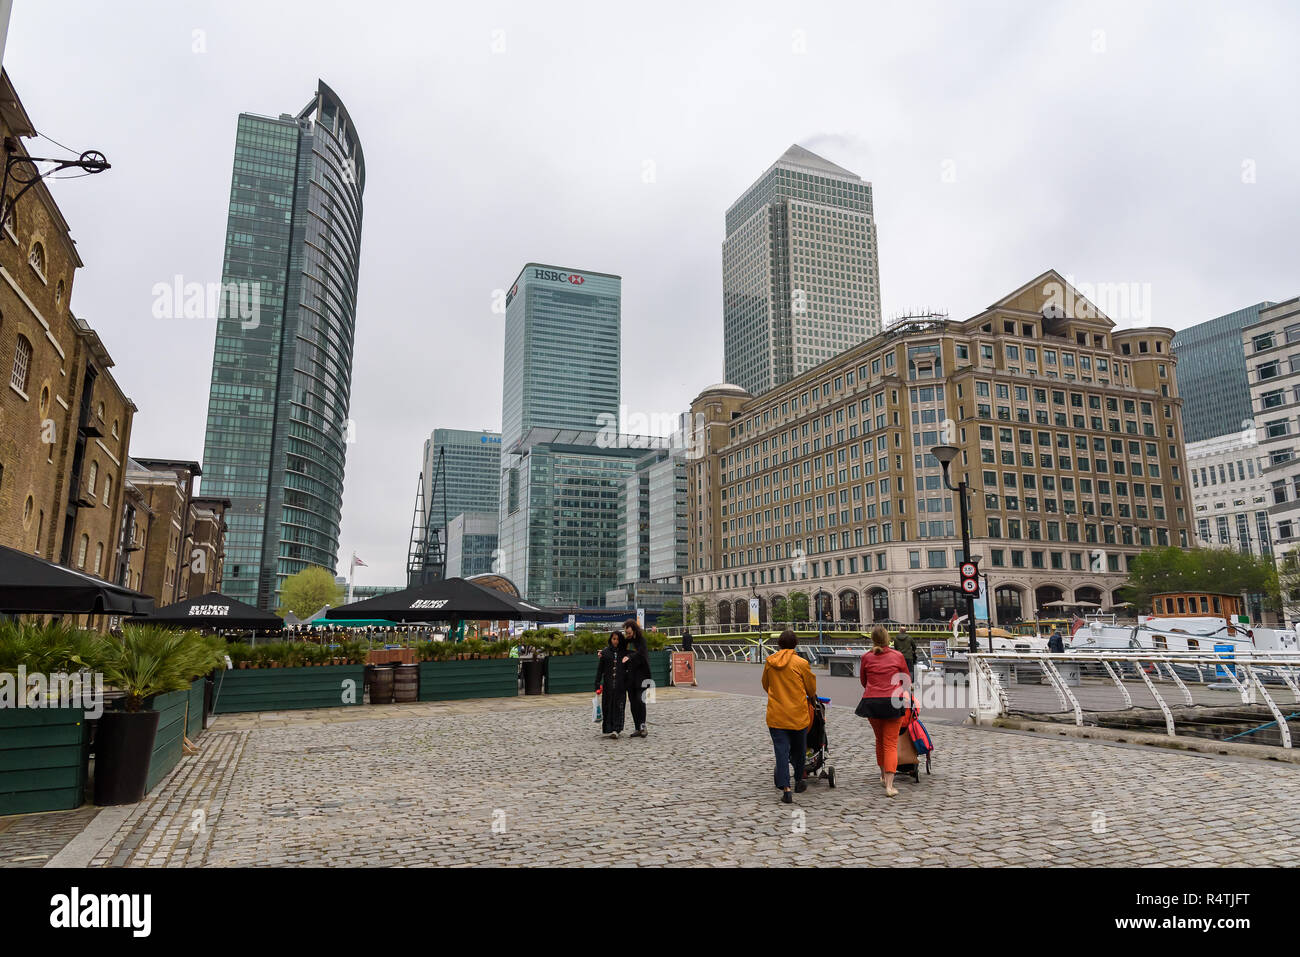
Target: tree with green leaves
[
  {"x": 1221, "y": 570},
  {"x": 671, "y": 616},
  {"x": 308, "y": 591},
  {"x": 1288, "y": 580},
  {"x": 798, "y": 606},
  {"x": 780, "y": 610}
]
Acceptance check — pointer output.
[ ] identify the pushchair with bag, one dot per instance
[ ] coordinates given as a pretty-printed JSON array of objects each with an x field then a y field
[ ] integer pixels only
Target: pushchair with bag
[{"x": 914, "y": 743}]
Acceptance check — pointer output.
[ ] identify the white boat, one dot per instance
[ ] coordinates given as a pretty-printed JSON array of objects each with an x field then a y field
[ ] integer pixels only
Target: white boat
[{"x": 1182, "y": 624}]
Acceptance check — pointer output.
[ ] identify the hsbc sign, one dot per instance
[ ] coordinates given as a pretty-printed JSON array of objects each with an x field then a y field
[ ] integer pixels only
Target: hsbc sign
[{"x": 553, "y": 276}]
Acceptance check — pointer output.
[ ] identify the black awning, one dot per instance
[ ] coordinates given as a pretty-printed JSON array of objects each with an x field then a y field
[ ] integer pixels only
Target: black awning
[
  {"x": 31, "y": 585},
  {"x": 213, "y": 610},
  {"x": 446, "y": 600}
]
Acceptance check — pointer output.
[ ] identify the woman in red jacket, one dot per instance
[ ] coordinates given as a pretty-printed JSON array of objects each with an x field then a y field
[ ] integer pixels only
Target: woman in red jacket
[{"x": 886, "y": 681}]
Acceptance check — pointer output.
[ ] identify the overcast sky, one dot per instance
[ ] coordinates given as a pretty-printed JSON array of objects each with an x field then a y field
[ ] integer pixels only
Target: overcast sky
[{"x": 1152, "y": 144}]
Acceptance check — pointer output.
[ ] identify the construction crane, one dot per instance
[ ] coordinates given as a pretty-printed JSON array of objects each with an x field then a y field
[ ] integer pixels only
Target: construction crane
[{"x": 426, "y": 558}]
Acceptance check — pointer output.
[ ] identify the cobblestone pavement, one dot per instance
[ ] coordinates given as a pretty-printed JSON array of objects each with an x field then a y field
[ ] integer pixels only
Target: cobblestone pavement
[
  {"x": 529, "y": 781},
  {"x": 30, "y": 840}
]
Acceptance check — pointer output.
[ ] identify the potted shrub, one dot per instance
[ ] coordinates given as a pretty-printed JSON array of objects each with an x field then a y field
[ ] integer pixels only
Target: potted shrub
[
  {"x": 145, "y": 661},
  {"x": 43, "y": 749}
]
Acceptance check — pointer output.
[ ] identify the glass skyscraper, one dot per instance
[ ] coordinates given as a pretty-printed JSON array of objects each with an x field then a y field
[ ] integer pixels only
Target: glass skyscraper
[
  {"x": 562, "y": 351},
  {"x": 1212, "y": 375},
  {"x": 277, "y": 422},
  {"x": 560, "y": 473},
  {"x": 800, "y": 274}
]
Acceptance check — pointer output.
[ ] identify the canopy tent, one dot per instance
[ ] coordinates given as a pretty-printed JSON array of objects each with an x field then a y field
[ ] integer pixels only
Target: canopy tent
[
  {"x": 213, "y": 610},
  {"x": 349, "y": 623},
  {"x": 452, "y": 599},
  {"x": 33, "y": 586}
]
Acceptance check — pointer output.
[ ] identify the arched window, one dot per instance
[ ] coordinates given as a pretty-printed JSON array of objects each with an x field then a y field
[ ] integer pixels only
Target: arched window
[
  {"x": 108, "y": 488},
  {"x": 81, "y": 552},
  {"x": 880, "y": 605},
  {"x": 936, "y": 603},
  {"x": 37, "y": 258},
  {"x": 45, "y": 398},
  {"x": 99, "y": 556},
  {"x": 58, "y": 293},
  {"x": 11, "y": 218},
  {"x": 94, "y": 477},
  {"x": 28, "y": 506},
  {"x": 1008, "y": 605},
  {"x": 22, "y": 365},
  {"x": 99, "y": 412}
]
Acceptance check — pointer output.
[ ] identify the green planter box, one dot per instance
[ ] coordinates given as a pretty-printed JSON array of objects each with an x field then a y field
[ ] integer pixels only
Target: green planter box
[
  {"x": 289, "y": 689},
  {"x": 167, "y": 746},
  {"x": 194, "y": 723},
  {"x": 566, "y": 674},
  {"x": 661, "y": 667},
  {"x": 43, "y": 754},
  {"x": 475, "y": 678}
]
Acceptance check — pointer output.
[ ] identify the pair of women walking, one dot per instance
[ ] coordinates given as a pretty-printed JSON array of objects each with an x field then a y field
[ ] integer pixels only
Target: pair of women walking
[
  {"x": 791, "y": 685},
  {"x": 623, "y": 673}
]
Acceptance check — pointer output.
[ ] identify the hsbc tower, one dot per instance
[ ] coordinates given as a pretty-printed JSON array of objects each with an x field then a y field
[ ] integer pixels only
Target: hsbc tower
[{"x": 562, "y": 350}]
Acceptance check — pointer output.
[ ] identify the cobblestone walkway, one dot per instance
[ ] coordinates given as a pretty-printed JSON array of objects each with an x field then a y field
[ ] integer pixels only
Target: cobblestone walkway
[
  {"x": 531, "y": 782},
  {"x": 30, "y": 840}
]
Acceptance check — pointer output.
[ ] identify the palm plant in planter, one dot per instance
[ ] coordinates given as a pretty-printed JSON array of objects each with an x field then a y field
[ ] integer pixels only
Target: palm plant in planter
[{"x": 145, "y": 661}]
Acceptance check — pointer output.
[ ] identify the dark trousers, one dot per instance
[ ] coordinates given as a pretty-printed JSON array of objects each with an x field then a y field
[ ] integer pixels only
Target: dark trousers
[
  {"x": 612, "y": 710},
  {"x": 790, "y": 746},
  {"x": 636, "y": 699}
]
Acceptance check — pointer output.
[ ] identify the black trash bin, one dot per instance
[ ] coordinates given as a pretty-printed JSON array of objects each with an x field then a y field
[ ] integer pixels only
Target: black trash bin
[{"x": 534, "y": 668}]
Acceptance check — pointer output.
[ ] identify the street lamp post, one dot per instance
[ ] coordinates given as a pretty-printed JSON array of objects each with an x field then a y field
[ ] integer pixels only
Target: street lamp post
[{"x": 945, "y": 454}]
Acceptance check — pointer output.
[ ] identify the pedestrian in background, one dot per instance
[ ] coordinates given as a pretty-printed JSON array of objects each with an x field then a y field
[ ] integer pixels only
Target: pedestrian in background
[
  {"x": 906, "y": 647},
  {"x": 886, "y": 684},
  {"x": 1056, "y": 643},
  {"x": 609, "y": 683},
  {"x": 789, "y": 683},
  {"x": 636, "y": 674}
]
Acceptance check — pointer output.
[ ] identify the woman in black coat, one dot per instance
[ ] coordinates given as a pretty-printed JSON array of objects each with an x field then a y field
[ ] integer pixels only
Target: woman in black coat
[
  {"x": 636, "y": 674},
  {"x": 609, "y": 681}
]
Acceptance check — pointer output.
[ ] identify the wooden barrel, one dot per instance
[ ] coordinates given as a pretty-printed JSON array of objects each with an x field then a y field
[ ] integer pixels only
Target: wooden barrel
[
  {"x": 406, "y": 683},
  {"x": 381, "y": 685}
]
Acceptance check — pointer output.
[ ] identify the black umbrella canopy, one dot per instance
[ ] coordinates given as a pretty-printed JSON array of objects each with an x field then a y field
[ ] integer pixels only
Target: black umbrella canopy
[
  {"x": 446, "y": 600},
  {"x": 213, "y": 610},
  {"x": 33, "y": 586}
]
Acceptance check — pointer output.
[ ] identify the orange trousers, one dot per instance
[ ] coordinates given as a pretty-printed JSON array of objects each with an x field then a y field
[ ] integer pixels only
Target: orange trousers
[{"x": 886, "y": 742}]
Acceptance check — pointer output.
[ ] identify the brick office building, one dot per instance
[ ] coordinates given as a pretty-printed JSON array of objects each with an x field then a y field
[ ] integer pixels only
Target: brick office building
[
  {"x": 1069, "y": 433},
  {"x": 65, "y": 425}
]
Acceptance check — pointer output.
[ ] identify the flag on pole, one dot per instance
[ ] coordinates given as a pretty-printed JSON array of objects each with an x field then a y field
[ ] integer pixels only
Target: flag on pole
[{"x": 359, "y": 562}]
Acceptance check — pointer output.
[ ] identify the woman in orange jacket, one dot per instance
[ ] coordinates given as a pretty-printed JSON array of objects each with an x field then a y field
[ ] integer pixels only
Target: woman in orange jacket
[{"x": 789, "y": 683}]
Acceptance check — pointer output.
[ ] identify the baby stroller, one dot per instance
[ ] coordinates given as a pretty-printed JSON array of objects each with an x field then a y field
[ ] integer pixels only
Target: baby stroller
[{"x": 818, "y": 755}]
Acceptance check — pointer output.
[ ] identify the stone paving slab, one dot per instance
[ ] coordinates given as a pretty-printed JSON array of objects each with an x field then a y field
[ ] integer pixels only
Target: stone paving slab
[
  {"x": 32, "y": 840},
  {"x": 532, "y": 783}
]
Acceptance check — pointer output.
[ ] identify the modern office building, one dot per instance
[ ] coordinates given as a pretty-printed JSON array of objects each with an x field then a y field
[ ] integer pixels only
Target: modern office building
[
  {"x": 1212, "y": 374},
  {"x": 560, "y": 515},
  {"x": 652, "y": 532},
  {"x": 800, "y": 272},
  {"x": 1230, "y": 495},
  {"x": 282, "y": 371},
  {"x": 562, "y": 351},
  {"x": 1272, "y": 348},
  {"x": 471, "y": 544},
  {"x": 1068, "y": 427}
]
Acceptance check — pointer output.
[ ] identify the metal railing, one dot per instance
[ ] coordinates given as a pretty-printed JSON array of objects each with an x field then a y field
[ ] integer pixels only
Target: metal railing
[{"x": 1116, "y": 681}]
